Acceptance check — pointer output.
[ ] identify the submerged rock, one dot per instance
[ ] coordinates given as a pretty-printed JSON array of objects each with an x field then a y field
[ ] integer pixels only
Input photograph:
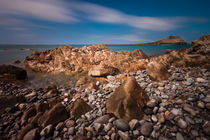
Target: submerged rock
[{"x": 127, "y": 101}]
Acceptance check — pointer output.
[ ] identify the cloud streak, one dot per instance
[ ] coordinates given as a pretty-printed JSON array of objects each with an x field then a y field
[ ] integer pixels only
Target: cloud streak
[{"x": 77, "y": 11}]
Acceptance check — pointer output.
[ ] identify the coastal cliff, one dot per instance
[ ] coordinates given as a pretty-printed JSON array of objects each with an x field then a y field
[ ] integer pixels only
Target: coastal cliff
[{"x": 175, "y": 40}]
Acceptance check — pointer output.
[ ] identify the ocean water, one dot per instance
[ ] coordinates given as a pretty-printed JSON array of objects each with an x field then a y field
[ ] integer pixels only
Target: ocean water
[{"x": 11, "y": 53}]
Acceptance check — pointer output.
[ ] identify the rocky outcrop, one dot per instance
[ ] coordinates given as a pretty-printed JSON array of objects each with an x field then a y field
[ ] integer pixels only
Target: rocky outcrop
[
  {"x": 98, "y": 60},
  {"x": 127, "y": 101},
  {"x": 175, "y": 40},
  {"x": 76, "y": 61},
  {"x": 12, "y": 74}
]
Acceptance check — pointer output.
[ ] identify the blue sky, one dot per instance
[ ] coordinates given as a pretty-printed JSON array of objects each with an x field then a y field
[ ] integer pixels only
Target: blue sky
[{"x": 101, "y": 21}]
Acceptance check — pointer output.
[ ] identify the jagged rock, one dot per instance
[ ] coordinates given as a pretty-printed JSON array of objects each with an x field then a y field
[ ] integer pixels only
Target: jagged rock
[
  {"x": 127, "y": 101},
  {"x": 55, "y": 115},
  {"x": 78, "y": 108},
  {"x": 76, "y": 61}
]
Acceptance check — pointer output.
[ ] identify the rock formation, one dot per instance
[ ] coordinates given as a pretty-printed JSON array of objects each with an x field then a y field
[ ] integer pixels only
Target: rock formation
[
  {"x": 175, "y": 40},
  {"x": 127, "y": 101},
  {"x": 75, "y": 61}
]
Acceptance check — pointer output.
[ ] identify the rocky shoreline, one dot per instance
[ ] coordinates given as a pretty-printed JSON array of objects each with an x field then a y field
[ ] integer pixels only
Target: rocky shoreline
[
  {"x": 129, "y": 97},
  {"x": 178, "y": 109}
]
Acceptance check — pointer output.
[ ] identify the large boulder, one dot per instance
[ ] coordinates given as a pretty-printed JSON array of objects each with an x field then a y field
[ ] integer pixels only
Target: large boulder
[
  {"x": 78, "y": 108},
  {"x": 127, "y": 101},
  {"x": 12, "y": 74}
]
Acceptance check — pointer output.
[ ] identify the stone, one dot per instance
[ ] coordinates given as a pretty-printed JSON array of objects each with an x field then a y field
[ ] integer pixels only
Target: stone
[
  {"x": 47, "y": 131},
  {"x": 146, "y": 129},
  {"x": 206, "y": 100},
  {"x": 55, "y": 115},
  {"x": 41, "y": 107},
  {"x": 102, "y": 71},
  {"x": 78, "y": 108},
  {"x": 122, "y": 125},
  {"x": 24, "y": 130},
  {"x": 71, "y": 131},
  {"x": 124, "y": 135},
  {"x": 161, "y": 118},
  {"x": 175, "y": 111},
  {"x": 179, "y": 136},
  {"x": 134, "y": 123},
  {"x": 127, "y": 101},
  {"x": 189, "y": 109},
  {"x": 59, "y": 126},
  {"x": 102, "y": 120},
  {"x": 200, "y": 79},
  {"x": 154, "y": 118},
  {"x": 70, "y": 123},
  {"x": 152, "y": 103},
  {"x": 206, "y": 128},
  {"x": 107, "y": 127},
  {"x": 98, "y": 127},
  {"x": 201, "y": 104},
  {"x": 32, "y": 134},
  {"x": 28, "y": 113},
  {"x": 182, "y": 124},
  {"x": 157, "y": 71}
]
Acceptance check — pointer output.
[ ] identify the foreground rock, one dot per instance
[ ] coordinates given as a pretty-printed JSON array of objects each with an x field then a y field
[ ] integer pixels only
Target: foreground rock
[
  {"x": 12, "y": 74},
  {"x": 127, "y": 101}
]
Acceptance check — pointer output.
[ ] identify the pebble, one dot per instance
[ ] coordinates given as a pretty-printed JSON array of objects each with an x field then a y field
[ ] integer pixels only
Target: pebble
[
  {"x": 152, "y": 103},
  {"x": 122, "y": 125},
  {"x": 154, "y": 118},
  {"x": 69, "y": 123},
  {"x": 134, "y": 123},
  {"x": 98, "y": 127},
  {"x": 71, "y": 131},
  {"x": 182, "y": 124},
  {"x": 47, "y": 131},
  {"x": 102, "y": 120},
  {"x": 124, "y": 135},
  {"x": 146, "y": 129},
  {"x": 179, "y": 136}
]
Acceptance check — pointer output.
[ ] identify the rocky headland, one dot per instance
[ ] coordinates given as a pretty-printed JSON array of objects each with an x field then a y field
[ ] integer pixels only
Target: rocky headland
[
  {"x": 119, "y": 95},
  {"x": 171, "y": 40}
]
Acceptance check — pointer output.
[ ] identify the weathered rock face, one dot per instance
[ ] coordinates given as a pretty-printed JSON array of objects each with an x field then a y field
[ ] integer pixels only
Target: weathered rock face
[
  {"x": 78, "y": 108},
  {"x": 127, "y": 101},
  {"x": 12, "y": 74},
  {"x": 73, "y": 60}
]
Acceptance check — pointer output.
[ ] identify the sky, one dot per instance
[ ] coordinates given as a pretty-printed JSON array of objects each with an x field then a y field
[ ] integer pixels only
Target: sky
[{"x": 101, "y": 21}]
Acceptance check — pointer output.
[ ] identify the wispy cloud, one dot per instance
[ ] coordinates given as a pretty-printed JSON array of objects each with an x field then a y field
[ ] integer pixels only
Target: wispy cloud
[
  {"x": 51, "y": 10},
  {"x": 78, "y": 11}
]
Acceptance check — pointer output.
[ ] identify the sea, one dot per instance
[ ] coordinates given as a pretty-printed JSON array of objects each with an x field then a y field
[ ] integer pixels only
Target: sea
[{"x": 10, "y": 53}]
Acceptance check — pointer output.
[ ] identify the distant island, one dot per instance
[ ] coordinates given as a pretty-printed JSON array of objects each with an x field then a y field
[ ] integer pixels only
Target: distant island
[
  {"x": 175, "y": 40},
  {"x": 170, "y": 40}
]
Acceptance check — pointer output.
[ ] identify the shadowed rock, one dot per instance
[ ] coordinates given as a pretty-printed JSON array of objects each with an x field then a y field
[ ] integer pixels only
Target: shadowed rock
[
  {"x": 12, "y": 74},
  {"x": 55, "y": 115},
  {"x": 78, "y": 108},
  {"x": 127, "y": 101}
]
